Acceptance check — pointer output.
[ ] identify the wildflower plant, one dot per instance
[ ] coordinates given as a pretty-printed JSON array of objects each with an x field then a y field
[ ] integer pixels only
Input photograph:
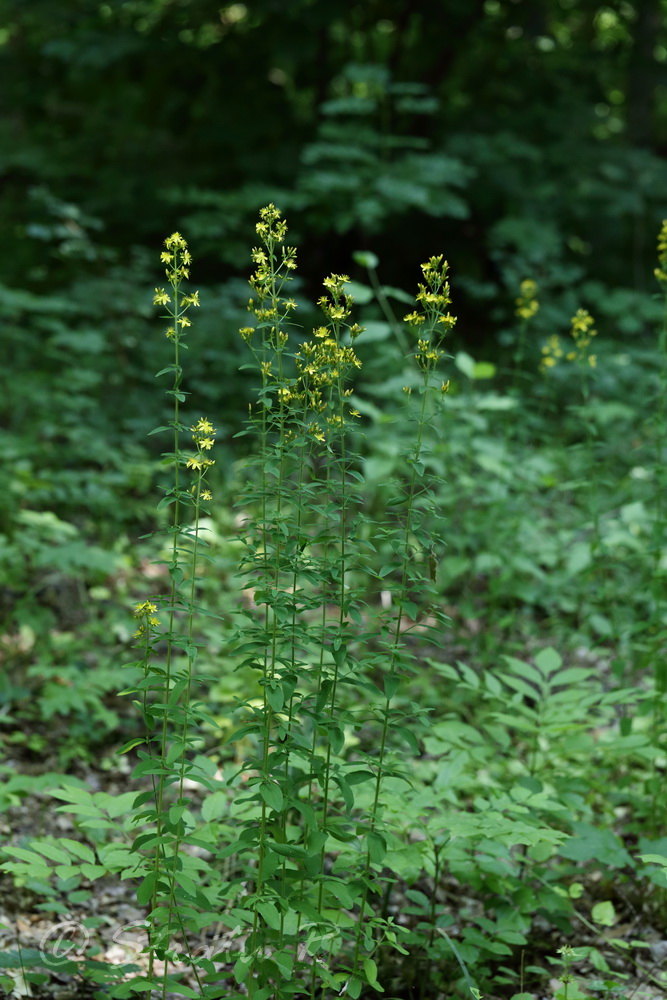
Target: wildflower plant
[
  {"x": 168, "y": 657},
  {"x": 555, "y": 351},
  {"x": 582, "y": 331},
  {"x": 661, "y": 435},
  {"x": 312, "y": 839},
  {"x": 658, "y": 628},
  {"x": 527, "y": 307}
]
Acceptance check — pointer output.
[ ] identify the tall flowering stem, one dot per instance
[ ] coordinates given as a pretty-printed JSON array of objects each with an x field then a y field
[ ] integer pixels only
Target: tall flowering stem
[
  {"x": 169, "y": 687},
  {"x": 527, "y": 307},
  {"x": 657, "y": 629},
  {"x": 430, "y": 321},
  {"x": 661, "y": 276},
  {"x": 266, "y": 537}
]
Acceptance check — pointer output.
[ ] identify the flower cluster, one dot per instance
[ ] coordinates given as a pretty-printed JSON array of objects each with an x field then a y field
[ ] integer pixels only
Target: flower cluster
[
  {"x": 582, "y": 332},
  {"x": 552, "y": 352},
  {"x": 661, "y": 270},
  {"x": 324, "y": 361},
  {"x": 428, "y": 355},
  {"x": 203, "y": 435},
  {"x": 273, "y": 263},
  {"x": 527, "y": 304},
  {"x": 146, "y": 612},
  {"x": 271, "y": 228},
  {"x": 178, "y": 259},
  {"x": 433, "y": 298}
]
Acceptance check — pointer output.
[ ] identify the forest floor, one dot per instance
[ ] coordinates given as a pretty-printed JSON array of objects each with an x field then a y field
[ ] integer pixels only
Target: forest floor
[{"x": 108, "y": 926}]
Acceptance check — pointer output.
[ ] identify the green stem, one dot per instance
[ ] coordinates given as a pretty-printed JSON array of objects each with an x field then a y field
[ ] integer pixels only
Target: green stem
[{"x": 393, "y": 661}]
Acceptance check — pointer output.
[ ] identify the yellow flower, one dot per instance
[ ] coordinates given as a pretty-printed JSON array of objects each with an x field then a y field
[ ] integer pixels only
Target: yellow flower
[
  {"x": 206, "y": 495},
  {"x": 414, "y": 319},
  {"x": 161, "y": 298},
  {"x": 184, "y": 321},
  {"x": 206, "y": 443},
  {"x": 203, "y": 426},
  {"x": 527, "y": 304},
  {"x": 582, "y": 333},
  {"x": 661, "y": 271},
  {"x": 175, "y": 240},
  {"x": 195, "y": 463},
  {"x": 552, "y": 352},
  {"x": 145, "y": 608}
]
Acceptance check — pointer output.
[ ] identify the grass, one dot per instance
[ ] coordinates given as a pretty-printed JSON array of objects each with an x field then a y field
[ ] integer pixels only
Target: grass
[{"x": 393, "y": 728}]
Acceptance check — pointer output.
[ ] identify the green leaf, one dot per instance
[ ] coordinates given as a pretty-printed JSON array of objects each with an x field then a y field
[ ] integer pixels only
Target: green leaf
[
  {"x": 131, "y": 744},
  {"x": 176, "y": 692},
  {"x": 366, "y": 258},
  {"x": 66, "y": 872},
  {"x": 356, "y": 777},
  {"x": 25, "y": 855},
  {"x": 79, "y": 849},
  {"x": 548, "y": 660},
  {"x": 214, "y": 806},
  {"x": 242, "y": 968},
  {"x": 465, "y": 364},
  {"x": 186, "y": 883},
  {"x": 654, "y": 859},
  {"x": 354, "y": 988},
  {"x": 174, "y": 986},
  {"x": 145, "y": 890},
  {"x": 52, "y": 852},
  {"x": 371, "y": 970},
  {"x": 377, "y": 847},
  {"x": 176, "y": 814},
  {"x": 391, "y": 686},
  {"x": 398, "y": 294},
  {"x": 270, "y": 913},
  {"x": 272, "y": 795},
  {"x": 274, "y": 695},
  {"x": 116, "y": 805},
  {"x": 592, "y": 844},
  {"x": 341, "y": 892},
  {"x": 289, "y": 850},
  {"x": 604, "y": 913},
  {"x": 73, "y": 793},
  {"x": 361, "y": 294},
  {"x": 484, "y": 369},
  {"x": 407, "y": 734},
  {"x": 93, "y": 872}
]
